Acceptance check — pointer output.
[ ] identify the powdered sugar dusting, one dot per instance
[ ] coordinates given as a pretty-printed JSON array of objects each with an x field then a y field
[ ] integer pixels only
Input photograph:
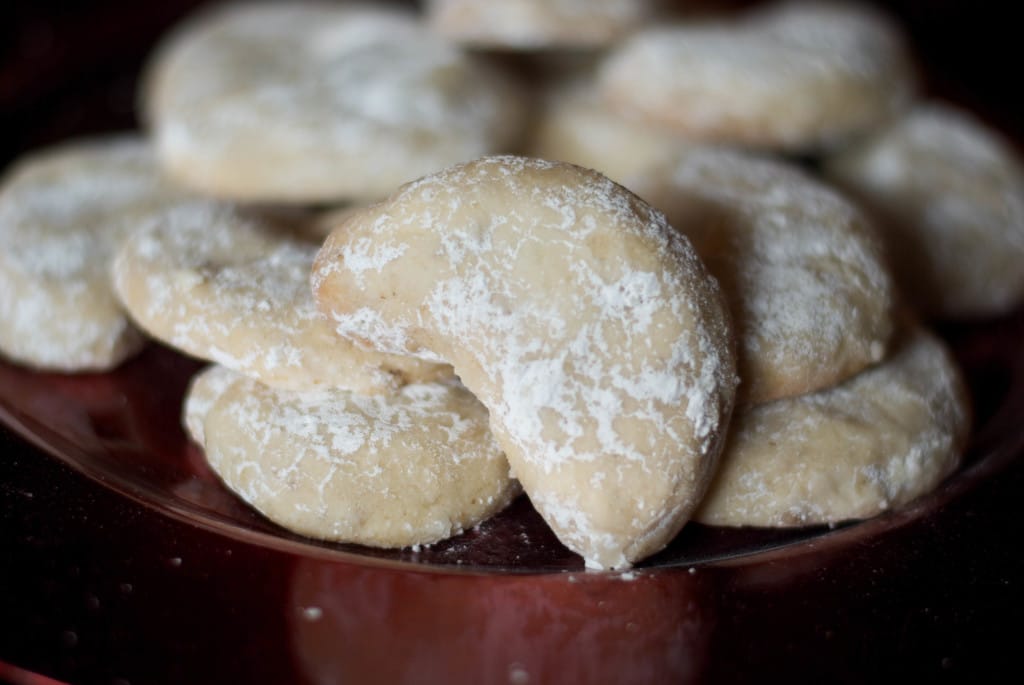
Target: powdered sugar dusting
[
  {"x": 366, "y": 255},
  {"x": 852, "y": 451},
  {"x": 795, "y": 75},
  {"x": 234, "y": 288},
  {"x": 203, "y": 392},
  {"x": 952, "y": 192},
  {"x": 388, "y": 470},
  {"x": 585, "y": 324},
  {"x": 62, "y": 213},
  {"x": 349, "y": 100},
  {"x": 537, "y": 23},
  {"x": 810, "y": 293},
  {"x": 367, "y": 325}
]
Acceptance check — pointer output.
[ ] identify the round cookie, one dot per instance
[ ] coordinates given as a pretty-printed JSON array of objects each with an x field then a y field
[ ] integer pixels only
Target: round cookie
[
  {"x": 573, "y": 125},
  {"x": 853, "y": 451},
  {"x": 233, "y": 287},
  {"x": 203, "y": 391},
  {"x": 394, "y": 470},
  {"x": 315, "y": 102},
  {"x": 585, "y": 324},
  {"x": 537, "y": 24},
  {"x": 794, "y": 76},
  {"x": 63, "y": 212},
  {"x": 811, "y": 297},
  {"x": 950, "y": 192}
]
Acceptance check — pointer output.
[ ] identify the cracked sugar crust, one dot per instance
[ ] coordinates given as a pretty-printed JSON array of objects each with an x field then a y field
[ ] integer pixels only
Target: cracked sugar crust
[
  {"x": 951, "y": 194},
  {"x": 408, "y": 468},
  {"x": 316, "y": 102},
  {"x": 63, "y": 211},
  {"x": 232, "y": 287},
  {"x": 811, "y": 295},
  {"x": 589, "y": 329},
  {"x": 537, "y": 24},
  {"x": 203, "y": 392},
  {"x": 883, "y": 438},
  {"x": 793, "y": 75}
]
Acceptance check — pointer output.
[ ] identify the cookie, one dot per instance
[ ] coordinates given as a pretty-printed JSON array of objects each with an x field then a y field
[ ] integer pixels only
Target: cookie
[
  {"x": 537, "y": 24},
  {"x": 63, "y": 212},
  {"x": 232, "y": 286},
  {"x": 585, "y": 324},
  {"x": 573, "y": 125},
  {"x": 950, "y": 193},
  {"x": 313, "y": 102},
  {"x": 203, "y": 392},
  {"x": 392, "y": 470},
  {"x": 805, "y": 274},
  {"x": 794, "y": 76},
  {"x": 876, "y": 442}
]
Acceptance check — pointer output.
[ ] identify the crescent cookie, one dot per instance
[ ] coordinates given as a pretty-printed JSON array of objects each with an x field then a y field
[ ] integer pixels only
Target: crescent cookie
[
  {"x": 233, "y": 287},
  {"x": 585, "y": 324},
  {"x": 313, "y": 102},
  {"x": 537, "y": 24},
  {"x": 951, "y": 194},
  {"x": 394, "y": 470},
  {"x": 811, "y": 297},
  {"x": 63, "y": 212},
  {"x": 794, "y": 76},
  {"x": 853, "y": 451}
]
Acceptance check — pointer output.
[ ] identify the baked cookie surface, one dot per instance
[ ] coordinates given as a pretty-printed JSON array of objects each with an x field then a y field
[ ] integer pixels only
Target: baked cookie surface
[
  {"x": 794, "y": 76},
  {"x": 390, "y": 470},
  {"x": 589, "y": 329},
  {"x": 537, "y": 24},
  {"x": 63, "y": 212},
  {"x": 314, "y": 102},
  {"x": 203, "y": 391},
  {"x": 950, "y": 195},
  {"x": 573, "y": 125},
  {"x": 879, "y": 440},
  {"x": 804, "y": 272},
  {"x": 232, "y": 286}
]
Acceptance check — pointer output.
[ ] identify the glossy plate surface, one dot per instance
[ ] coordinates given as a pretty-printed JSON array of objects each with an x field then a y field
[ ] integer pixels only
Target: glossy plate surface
[
  {"x": 130, "y": 561},
  {"x": 123, "y": 430}
]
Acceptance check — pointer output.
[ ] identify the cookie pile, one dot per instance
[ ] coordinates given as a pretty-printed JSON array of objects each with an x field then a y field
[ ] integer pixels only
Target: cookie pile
[{"x": 397, "y": 239}]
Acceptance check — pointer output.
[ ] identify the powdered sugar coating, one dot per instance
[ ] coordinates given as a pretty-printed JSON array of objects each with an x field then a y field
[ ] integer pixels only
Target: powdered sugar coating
[
  {"x": 574, "y": 125},
  {"x": 537, "y": 24},
  {"x": 875, "y": 442},
  {"x": 587, "y": 326},
  {"x": 319, "y": 102},
  {"x": 391, "y": 470},
  {"x": 203, "y": 391},
  {"x": 951, "y": 193},
  {"x": 63, "y": 212},
  {"x": 794, "y": 75},
  {"x": 810, "y": 292},
  {"x": 232, "y": 286}
]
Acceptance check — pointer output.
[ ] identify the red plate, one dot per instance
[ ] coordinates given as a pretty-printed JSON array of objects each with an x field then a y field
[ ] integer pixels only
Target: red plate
[{"x": 127, "y": 559}]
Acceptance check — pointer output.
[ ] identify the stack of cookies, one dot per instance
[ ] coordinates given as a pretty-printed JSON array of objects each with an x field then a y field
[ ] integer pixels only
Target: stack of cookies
[{"x": 440, "y": 259}]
